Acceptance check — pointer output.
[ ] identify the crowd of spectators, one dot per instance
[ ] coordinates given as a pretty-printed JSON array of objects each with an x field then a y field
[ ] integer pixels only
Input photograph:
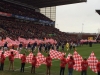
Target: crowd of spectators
[
  {"x": 20, "y": 10},
  {"x": 14, "y": 28}
]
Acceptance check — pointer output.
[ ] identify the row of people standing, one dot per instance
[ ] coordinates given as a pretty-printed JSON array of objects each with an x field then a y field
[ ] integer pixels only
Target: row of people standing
[
  {"x": 41, "y": 47},
  {"x": 34, "y": 61},
  {"x": 47, "y": 46},
  {"x": 63, "y": 62},
  {"x": 44, "y": 46}
]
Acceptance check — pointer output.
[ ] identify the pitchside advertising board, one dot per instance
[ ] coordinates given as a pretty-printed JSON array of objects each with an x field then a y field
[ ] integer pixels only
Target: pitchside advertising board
[
  {"x": 90, "y": 38},
  {"x": 26, "y": 18},
  {"x": 5, "y": 14}
]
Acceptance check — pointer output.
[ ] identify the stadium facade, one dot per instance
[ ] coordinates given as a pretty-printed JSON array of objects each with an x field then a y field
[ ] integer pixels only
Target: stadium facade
[{"x": 49, "y": 12}]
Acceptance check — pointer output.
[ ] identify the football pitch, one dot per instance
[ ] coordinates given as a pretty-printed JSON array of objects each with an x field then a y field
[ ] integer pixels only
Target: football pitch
[{"x": 84, "y": 51}]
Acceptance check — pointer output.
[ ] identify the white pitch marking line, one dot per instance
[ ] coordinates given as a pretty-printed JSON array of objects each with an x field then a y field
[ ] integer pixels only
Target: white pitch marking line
[{"x": 30, "y": 66}]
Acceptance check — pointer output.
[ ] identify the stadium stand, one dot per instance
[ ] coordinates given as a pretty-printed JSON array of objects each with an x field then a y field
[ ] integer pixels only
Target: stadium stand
[
  {"x": 14, "y": 22},
  {"x": 18, "y": 10},
  {"x": 98, "y": 11},
  {"x": 15, "y": 28}
]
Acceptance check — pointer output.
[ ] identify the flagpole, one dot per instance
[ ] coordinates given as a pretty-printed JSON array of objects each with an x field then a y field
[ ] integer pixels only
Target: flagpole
[
  {"x": 82, "y": 27},
  {"x": 82, "y": 30}
]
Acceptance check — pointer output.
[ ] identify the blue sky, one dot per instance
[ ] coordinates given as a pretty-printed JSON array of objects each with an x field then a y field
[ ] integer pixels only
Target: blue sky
[{"x": 79, "y": 17}]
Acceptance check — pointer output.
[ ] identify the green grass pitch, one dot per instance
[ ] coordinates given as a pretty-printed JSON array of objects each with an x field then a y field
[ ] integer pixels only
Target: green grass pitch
[{"x": 84, "y": 51}]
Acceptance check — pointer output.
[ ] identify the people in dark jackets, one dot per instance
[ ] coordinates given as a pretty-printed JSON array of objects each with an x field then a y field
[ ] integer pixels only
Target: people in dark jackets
[
  {"x": 57, "y": 47},
  {"x": 52, "y": 46},
  {"x": 46, "y": 47},
  {"x": 43, "y": 47},
  {"x": 5, "y": 47},
  {"x": 90, "y": 44},
  {"x": 29, "y": 46},
  {"x": 35, "y": 46},
  {"x": 20, "y": 47},
  {"x": 40, "y": 47},
  {"x": 70, "y": 45},
  {"x": 62, "y": 45}
]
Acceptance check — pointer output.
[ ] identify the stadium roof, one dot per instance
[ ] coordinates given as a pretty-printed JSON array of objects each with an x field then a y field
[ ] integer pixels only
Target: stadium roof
[
  {"x": 98, "y": 11},
  {"x": 47, "y": 3}
]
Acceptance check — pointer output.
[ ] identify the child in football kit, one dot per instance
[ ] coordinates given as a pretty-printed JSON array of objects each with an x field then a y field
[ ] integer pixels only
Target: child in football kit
[
  {"x": 34, "y": 61},
  {"x": 62, "y": 65},
  {"x": 70, "y": 63},
  {"x": 11, "y": 61},
  {"x": 2, "y": 59},
  {"x": 23, "y": 61},
  {"x": 48, "y": 64},
  {"x": 84, "y": 65},
  {"x": 98, "y": 68}
]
